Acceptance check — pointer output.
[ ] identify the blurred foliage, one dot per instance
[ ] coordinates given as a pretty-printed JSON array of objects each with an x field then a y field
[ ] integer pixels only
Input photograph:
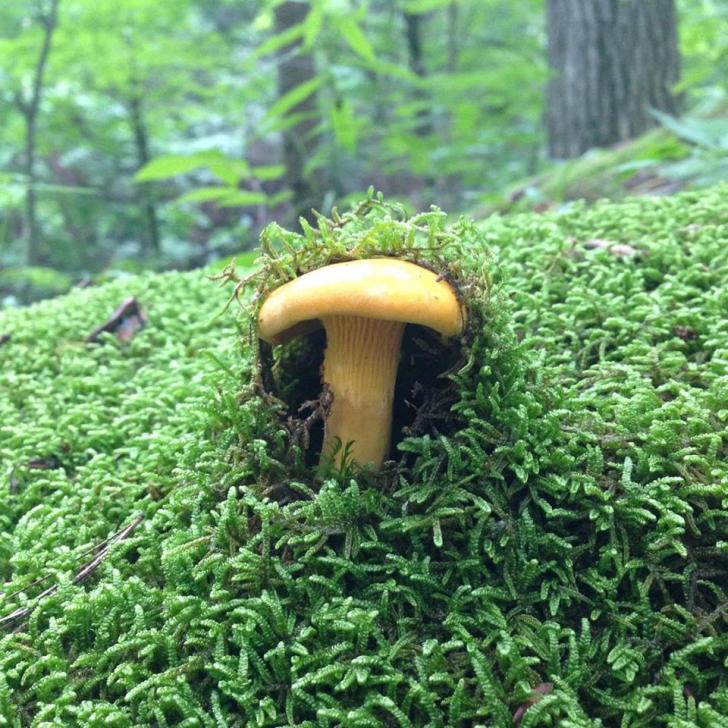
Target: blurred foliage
[
  {"x": 159, "y": 129},
  {"x": 708, "y": 162},
  {"x": 630, "y": 168}
]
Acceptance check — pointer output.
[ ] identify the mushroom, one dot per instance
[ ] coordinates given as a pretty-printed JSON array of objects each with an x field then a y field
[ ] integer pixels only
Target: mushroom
[{"x": 364, "y": 306}]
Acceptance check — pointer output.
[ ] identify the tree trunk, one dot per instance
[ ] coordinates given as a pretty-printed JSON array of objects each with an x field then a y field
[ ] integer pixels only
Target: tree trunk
[
  {"x": 611, "y": 61},
  {"x": 141, "y": 143},
  {"x": 299, "y": 142},
  {"x": 30, "y": 110},
  {"x": 31, "y": 218},
  {"x": 453, "y": 50},
  {"x": 413, "y": 35}
]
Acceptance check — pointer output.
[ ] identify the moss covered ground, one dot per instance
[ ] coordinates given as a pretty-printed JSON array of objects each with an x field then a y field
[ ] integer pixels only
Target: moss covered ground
[{"x": 550, "y": 548}]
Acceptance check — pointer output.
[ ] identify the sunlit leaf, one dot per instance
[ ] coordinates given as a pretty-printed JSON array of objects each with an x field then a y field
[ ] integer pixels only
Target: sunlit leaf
[
  {"x": 294, "y": 97},
  {"x": 267, "y": 172},
  {"x": 225, "y": 197},
  {"x": 279, "y": 40},
  {"x": 344, "y": 125},
  {"x": 354, "y": 36},
  {"x": 168, "y": 166},
  {"x": 230, "y": 171},
  {"x": 242, "y": 198},
  {"x": 708, "y": 133},
  {"x": 420, "y": 7},
  {"x": 312, "y": 25}
]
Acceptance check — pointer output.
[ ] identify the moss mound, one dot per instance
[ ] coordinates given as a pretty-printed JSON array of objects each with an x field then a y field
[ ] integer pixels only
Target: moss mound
[{"x": 551, "y": 547}]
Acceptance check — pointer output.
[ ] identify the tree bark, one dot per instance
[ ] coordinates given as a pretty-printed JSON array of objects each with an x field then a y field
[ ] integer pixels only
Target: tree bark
[
  {"x": 299, "y": 140},
  {"x": 30, "y": 109},
  {"x": 611, "y": 61},
  {"x": 141, "y": 143}
]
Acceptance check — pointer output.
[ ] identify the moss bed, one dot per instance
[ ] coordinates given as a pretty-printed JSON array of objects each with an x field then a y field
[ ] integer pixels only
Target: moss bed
[{"x": 551, "y": 549}]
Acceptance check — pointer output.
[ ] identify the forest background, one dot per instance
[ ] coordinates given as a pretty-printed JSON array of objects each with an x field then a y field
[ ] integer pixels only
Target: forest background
[{"x": 142, "y": 134}]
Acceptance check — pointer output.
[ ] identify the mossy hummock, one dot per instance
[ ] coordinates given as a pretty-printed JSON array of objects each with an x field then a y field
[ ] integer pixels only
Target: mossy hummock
[{"x": 552, "y": 552}]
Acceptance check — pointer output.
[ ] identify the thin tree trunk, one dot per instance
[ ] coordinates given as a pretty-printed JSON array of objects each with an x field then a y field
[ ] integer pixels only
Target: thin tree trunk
[
  {"x": 299, "y": 140},
  {"x": 413, "y": 34},
  {"x": 30, "y": 109},
  {"x": 611, "y": 61},
  {"x": 141, "y": 143},
  {"x": 453, "y": 51},
  {"x": 30, "y": 220}
]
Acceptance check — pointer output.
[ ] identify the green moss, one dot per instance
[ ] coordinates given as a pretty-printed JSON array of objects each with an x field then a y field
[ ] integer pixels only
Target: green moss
[{"x": 564, "y": 536}]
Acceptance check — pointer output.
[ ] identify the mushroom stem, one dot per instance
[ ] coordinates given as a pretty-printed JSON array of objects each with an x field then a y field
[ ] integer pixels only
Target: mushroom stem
[{"x": 360, "y": 369}]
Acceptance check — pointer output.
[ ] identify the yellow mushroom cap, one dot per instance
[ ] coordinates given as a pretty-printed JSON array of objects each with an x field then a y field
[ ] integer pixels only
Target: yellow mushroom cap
[{"x": 387, "y": 289}]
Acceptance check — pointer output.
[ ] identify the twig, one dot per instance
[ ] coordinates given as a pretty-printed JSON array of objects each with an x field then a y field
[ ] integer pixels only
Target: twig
[
  {"x": 84, "y": 573},
  {"x": 41, "y": 579},
  {"x": 91, "y": 566},
  {"x": 123, "y": 323}
]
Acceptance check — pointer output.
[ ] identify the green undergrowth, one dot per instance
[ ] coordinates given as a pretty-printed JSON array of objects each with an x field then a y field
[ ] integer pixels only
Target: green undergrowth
[
  {"x": 640, "y": 166},
  {"x": 551, "y": 549}
]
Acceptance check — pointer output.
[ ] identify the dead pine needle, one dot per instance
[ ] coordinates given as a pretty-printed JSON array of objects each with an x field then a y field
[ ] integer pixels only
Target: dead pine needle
[{"x": 86, "y": 570}]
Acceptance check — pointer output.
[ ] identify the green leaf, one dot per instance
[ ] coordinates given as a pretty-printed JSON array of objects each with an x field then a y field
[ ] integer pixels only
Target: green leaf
[
  {"x": 225, "y": 196},
  {"x": 242, "y": 198},
  {"x": 708, "y": 133},
  {"x": 279, "y": 40},
  {"x": 282, "y": 123},
  {"x": 167, "y": 166},
  {"x": 354, "y": 36},
  {"x": 420, "y": 7},
  {"x": 294, "y": 97},
  {"x": 392, "y": 69},
  {"x": 279, "y": 198},
  {"x": 312, "y": 25},
  {"x": 230, "y": 171},
  {"x": 268, "y": 172},
  {"x": 205, "y": 194},
  {"x": 344, "y": 125}
]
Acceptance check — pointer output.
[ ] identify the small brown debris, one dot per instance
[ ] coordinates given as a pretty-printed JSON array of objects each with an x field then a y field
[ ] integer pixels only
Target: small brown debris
[
  {"x": 685, "y": 333},
  {"x": 48, "y": 462},
  {"x": 85, "y": 282},
  {"x": 517, "y": 195},
  {"x": 124, "y": 323},
  {"x": 648, "y": 182},
  {"x": 538, "y": 692},
  {"x": 300, "y": 428},
  {"x": 621, "y": 250}
]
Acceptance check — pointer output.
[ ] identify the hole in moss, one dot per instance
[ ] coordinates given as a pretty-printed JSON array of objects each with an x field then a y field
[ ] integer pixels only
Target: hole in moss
[{"x": 423, "y": 393}]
